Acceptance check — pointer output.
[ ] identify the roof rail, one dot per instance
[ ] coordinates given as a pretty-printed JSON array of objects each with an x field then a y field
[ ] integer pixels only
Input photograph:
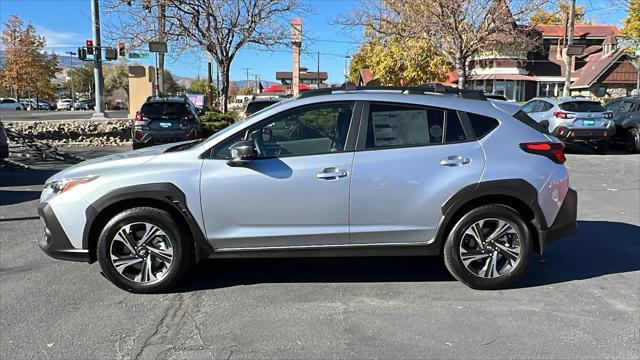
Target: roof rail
[{"x": 419, "y": 89}]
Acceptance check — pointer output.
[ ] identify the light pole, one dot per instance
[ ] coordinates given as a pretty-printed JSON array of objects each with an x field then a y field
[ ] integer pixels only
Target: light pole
[
  {"x": 97, "y": 62},
  {"x": 567, "y": 58},
  {"x": 71, "y": 55}
]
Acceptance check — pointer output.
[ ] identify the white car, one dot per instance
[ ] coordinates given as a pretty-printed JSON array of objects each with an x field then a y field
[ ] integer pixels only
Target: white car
[
  {"x": 10, "y": 104},
  {"x": 64, "y": 104}
]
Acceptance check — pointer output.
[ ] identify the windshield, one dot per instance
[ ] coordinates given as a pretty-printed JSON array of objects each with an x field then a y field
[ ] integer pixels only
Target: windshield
[{"x": 582, "y": 106}]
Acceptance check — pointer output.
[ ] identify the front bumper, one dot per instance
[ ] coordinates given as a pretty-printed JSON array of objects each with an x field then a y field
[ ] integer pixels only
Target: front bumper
[
  {"x": 55, "y": 242},
  {"x": 565, "y": 222}
]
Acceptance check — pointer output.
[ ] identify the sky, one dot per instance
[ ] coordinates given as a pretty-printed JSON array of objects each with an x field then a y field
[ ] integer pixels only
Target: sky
[{"x": 66, "y": 24}]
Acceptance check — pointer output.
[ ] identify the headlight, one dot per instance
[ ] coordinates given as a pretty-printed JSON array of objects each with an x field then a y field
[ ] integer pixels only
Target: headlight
[{"x": 62, "y": 185}]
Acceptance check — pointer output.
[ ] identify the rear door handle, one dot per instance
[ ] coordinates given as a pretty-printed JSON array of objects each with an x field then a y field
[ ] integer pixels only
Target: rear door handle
[
  {"x": 331, "y": 173},
  {"x": 454, "y": 160}
]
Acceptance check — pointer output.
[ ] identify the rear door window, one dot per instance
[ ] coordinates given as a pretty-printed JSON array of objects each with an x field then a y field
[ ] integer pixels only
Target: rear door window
[
  {"x": 399, "y": 126},
  {"x": 628, "y": 106},
  {"x": 454, "y": 131},
  {"x": 582, "y": 106}
]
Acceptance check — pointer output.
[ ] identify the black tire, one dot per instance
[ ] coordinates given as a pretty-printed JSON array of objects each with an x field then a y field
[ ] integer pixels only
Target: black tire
[
  {"x": 452, "y": 253},
  {"x": 632, "y": 141},
  {"x": 603, "y": 147},
  {"x": 181, "y": 244},
  {"x": 137, "y": 146}
]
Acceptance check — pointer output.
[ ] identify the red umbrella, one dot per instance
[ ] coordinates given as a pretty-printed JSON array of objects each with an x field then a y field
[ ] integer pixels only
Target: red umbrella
[
  {"x": 273, "y": 88},
  {"x": 303, "y": 87}
]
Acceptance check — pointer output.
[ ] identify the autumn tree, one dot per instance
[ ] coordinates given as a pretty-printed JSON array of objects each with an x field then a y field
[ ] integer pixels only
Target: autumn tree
[
  {"x": 26, "y": 67},
  {"x": 199, "y": 86},
  {"x": 234, "y": 90},
  {"x": 557, "y": 13},
  {"x": 459, "y": 28},
  {"x": 631, "y": 25},
  {"x": 221, "y": 28},
  {"x": 398, "y": 61}
]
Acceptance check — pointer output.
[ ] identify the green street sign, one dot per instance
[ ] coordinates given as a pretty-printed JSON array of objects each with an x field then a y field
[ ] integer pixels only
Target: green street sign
[{"x": 138, "y": 55}]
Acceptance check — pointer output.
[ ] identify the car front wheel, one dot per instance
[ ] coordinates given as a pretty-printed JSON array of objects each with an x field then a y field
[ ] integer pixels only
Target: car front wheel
[
  {"x": 144, "y": 250},
  {"x": 488, "y": 248}
]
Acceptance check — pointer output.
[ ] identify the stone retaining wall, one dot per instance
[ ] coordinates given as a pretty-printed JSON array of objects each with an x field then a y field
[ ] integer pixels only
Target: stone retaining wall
[{"x": 76, "y": 132}]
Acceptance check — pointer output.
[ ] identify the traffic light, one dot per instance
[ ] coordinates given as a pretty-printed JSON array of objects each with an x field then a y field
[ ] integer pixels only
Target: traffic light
[
  {"x": 89, "y": 47},
  {"x": 82, "y": 53},
  {"x": 121, "y": 49}
]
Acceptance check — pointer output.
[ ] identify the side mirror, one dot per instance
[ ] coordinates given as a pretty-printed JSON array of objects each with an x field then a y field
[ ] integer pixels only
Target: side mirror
[{"x": 241, "y": 153}]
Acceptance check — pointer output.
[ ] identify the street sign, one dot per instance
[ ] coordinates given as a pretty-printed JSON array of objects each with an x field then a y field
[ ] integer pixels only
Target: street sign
[
  {"x": 138, "y": 55},
  {"x": 158, "y": 47}
]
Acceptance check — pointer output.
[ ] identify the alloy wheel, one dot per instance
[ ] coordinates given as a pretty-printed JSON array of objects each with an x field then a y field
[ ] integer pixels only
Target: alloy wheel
[
  {"x": 490, "y": 248},
  {"x": 142, "y": 252}
]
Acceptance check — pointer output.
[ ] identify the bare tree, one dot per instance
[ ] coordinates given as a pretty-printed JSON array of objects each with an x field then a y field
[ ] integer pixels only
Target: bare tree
[
  {"x": 220, "y": 27},
  {"x": 460, "y": 28}
]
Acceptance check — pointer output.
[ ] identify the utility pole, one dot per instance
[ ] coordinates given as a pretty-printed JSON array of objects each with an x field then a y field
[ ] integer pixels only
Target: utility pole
[
  {"x": 247, "y": 71},
  {"x": 318, "y": 72},
  {"x": 73, "y": 97},
  {"x": 161, "y": 37},
  {"x": 255, "y": 83},
  {"x": 210, "y": 83},
  {"x": 218, "y": 85},
  {"x": 97, "y": 62},
  {"x": 568, "y": 58}
]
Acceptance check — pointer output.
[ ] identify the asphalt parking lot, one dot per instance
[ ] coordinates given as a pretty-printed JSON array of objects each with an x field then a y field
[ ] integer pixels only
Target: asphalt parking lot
[{"x": 581, "y": 299}]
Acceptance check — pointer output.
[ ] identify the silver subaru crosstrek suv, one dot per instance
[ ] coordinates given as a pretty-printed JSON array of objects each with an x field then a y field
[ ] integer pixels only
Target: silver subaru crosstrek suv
[
  {"x": 574, "y": 120},
  {"x": 385, "y": 171}
]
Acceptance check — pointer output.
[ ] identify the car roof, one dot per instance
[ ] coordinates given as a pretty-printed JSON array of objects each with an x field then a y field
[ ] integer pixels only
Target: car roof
[
  {"x": 562, "y": 100},
  {"x": 265, "y": 99}
]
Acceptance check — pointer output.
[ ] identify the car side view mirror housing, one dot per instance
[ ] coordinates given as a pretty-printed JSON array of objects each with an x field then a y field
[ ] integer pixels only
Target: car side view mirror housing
[{"x": 242, "y": 153}]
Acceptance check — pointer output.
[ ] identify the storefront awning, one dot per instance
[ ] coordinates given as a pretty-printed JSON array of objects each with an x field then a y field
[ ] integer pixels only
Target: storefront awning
[{"x": 502, "y": 77}]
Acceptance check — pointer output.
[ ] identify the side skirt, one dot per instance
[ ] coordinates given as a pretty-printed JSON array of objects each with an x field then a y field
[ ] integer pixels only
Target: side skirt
[{"x": 421, "y": 249}]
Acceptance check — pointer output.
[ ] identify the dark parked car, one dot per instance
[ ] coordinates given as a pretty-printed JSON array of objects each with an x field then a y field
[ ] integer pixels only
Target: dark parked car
[
  {"x": 165, "y": 120},
  {"x": 626, "y": 116},
  {"x": 84, "y": 105},
  {"x": 256, "y": 104},
  {"x": 4, "y": 142}
]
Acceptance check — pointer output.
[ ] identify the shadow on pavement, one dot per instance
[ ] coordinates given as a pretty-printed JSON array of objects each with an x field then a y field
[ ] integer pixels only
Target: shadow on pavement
[
  {"x": 598, "y": 248},
  {"x": 17, "y": 197},
  {"x": 13, "y": 177}
]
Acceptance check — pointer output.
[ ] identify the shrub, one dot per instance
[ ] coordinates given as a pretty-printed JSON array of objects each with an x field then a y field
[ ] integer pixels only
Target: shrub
[{"x": 214, "y": 121}]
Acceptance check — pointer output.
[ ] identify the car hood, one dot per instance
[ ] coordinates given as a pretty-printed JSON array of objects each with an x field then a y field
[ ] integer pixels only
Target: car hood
[{"x": 110, "y": 163}]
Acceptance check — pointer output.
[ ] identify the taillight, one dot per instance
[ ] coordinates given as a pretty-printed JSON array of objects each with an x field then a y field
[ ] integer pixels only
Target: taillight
[
  {"x": 140, "y": 120},
  {"x": 138, "y": 135},
  {"x": 563, "y": 115},
  {"x": 554, "y": 151}
]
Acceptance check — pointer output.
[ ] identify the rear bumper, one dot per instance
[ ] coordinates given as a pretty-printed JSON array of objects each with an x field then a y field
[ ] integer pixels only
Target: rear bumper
[
  {"x": 152, "y": 137},
  {"x": 570, "y": 135},
  {"x": 55, "y": 242},
  {"x": 565, "y": 222}
]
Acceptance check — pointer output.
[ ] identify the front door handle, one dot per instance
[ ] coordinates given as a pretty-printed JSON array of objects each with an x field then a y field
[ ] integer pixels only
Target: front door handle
[
  {"x": 331, "y": 173},
  {"x": 455, "y": 160}
]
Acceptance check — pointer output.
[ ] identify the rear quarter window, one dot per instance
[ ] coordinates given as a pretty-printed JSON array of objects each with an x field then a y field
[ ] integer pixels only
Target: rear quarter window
[
  {"x": 582, "y": 106},
  {"x": 482, "y": 125}
]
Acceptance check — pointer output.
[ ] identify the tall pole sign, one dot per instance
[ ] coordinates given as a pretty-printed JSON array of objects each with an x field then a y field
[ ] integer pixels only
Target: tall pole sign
[
  {"x": 296, "y": 44},
  {"x": 97, "y": 61}
]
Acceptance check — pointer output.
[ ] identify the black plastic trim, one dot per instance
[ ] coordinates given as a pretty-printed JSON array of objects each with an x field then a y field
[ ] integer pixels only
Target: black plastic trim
[
  {"x": 55, "y": 242},
  {"x": 516, "y": 188},
  {"x": 330, "y": 251},
  {"x": 167, "y": 193},
  {"x": 565, "y": 222}
]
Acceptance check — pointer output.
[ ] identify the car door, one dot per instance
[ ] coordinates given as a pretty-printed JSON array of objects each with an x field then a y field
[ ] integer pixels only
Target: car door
[
  {"x": 295, "y": 193},
  {"x": 409, "y": 161}
]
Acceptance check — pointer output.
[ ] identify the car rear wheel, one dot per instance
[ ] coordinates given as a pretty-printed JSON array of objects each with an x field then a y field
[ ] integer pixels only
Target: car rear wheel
[
  {"x": 144, "y": 250},
  {"x": 632, "y": 141},
  {"x": 488, "y": 248}
]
